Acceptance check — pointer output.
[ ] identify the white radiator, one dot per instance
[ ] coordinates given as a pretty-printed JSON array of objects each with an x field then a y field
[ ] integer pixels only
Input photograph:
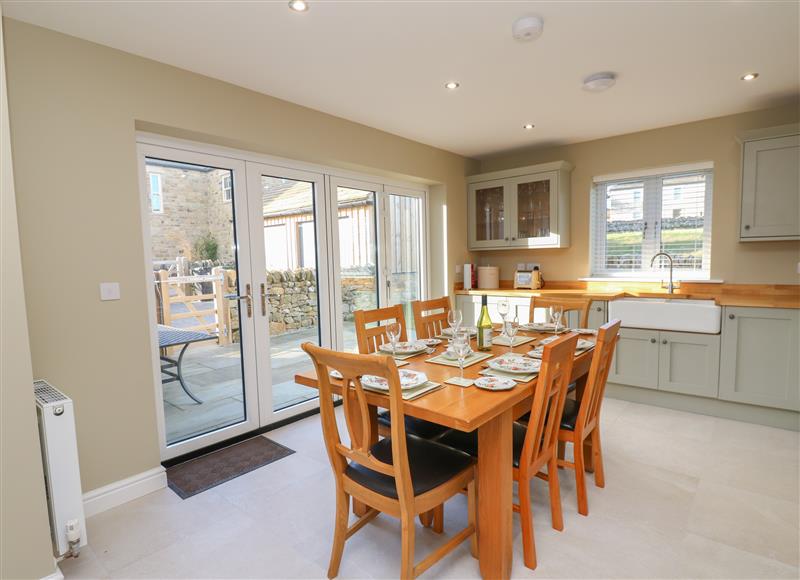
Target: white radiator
[{"x": 61, "y": 471}]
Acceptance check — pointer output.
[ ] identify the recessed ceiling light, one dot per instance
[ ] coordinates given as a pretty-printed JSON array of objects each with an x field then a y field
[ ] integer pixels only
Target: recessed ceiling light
[
  {"x": 599, "y": 81},
  {"x": 298, "y": 5},
  {"x": 750, "y": 76},
  {"x": 528, "y": 126},
  {"x": 452, "y": 85}
]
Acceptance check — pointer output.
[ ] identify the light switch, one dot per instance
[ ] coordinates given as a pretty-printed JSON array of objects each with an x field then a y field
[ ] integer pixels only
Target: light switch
[{"x": 109, "y": 290}]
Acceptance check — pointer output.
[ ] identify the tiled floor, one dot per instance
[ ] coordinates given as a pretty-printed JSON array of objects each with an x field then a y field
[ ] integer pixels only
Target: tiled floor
[{"x": 686, "y": 496}]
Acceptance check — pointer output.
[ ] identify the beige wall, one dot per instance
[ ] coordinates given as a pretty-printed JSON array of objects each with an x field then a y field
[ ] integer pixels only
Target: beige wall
[
  {"x": 25, "y": 550},
  {"x": 76, "y": 105},
  {"x": 708, "y": 140}
]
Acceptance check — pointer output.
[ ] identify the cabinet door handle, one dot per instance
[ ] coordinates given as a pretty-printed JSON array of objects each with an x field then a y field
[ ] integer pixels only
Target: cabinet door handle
[
  {"x": 731, "y": 316},
  {"x": 664, "y": 341},
  {"x": 506, "y": 239},
  {"x": 513, "y": 238},
  {"x": 599, "y": 308},
  {"x": 653, "y": 340},
  {"x": 747, "y": 226}
]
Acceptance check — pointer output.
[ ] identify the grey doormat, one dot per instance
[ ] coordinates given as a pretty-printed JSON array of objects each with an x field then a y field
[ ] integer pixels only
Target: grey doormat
[{"x": 201, "y": 473}]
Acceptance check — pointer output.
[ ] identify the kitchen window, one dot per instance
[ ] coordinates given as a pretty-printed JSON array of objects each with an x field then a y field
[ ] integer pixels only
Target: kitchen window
[{"x": 636, "y": 215}]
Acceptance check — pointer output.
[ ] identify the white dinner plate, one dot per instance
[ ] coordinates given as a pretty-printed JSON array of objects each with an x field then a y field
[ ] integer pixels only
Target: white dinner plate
[
  {"x": 403, "y": 347},
  {"x": 430, "y": 341},
  {"x": 495, "y": 383},
  {"x": 449, "y": 331},
  {"x": 408, "y": 380},
  {"x": 514, "y": 364}
]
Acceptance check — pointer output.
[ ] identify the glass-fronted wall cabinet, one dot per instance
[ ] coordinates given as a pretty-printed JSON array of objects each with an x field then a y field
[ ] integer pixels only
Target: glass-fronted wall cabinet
[{"x": 526, "y": 207}]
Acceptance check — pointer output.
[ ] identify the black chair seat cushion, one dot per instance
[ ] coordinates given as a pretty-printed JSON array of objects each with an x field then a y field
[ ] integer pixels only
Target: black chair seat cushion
[
  {"x": 570, "y": 416},
  {"x": 431, "y": 465},
  {"x": 468, "y": 442},
  {"x": 419, "y": 427}
]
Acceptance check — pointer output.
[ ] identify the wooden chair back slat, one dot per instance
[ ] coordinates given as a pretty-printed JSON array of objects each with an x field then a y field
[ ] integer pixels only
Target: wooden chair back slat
[
  {"x": 369, "y": 338},
  {"x": 357, "y": 417},
  {"x": 578, "y": 304},
  {"x": 607, "y": 338},
  {"x": 548, "y": 401},
  {"x": 430, "y": 316}
]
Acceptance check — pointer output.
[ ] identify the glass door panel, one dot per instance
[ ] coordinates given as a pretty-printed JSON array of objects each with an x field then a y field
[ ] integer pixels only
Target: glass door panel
[
  {"x": 533, "y": 209},
  {"x": 489, "y": 213},
  {"x": 404, "y": 250},
  {"x": 288, "y": 210},
  {"x": 202, "y": 319},
  {"x": 357, "y": 229}
]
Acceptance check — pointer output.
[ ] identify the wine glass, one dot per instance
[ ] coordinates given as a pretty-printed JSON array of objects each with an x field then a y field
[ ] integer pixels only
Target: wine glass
[
  {"x": 454, "y": 320},
  {"x": 502, "y": 309},
  {"x": 393, "y": 332},
  {"x": 510, "y": 327},
  {"x": 556, "y": 314},
  {"x": 462, "y": 348}
]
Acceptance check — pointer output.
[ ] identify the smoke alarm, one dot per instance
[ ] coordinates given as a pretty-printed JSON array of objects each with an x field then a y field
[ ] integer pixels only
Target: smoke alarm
[
  {"x": 599, "y": 82},
  {"x": 527, "y": 28}
]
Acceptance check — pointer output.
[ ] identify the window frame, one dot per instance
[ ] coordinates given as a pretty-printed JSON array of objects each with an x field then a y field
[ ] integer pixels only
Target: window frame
[
  {"x": 227, "y": 192},
  {"x": 159, "y": 194},
  {"x": 652, "y": 200}
]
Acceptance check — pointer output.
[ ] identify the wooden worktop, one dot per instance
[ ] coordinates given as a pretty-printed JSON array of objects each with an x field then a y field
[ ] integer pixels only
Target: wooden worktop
[{"x": 753, "y": 295}]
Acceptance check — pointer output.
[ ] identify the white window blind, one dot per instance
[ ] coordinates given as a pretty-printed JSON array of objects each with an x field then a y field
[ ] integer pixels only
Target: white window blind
[{"x": 634, "y": 218}]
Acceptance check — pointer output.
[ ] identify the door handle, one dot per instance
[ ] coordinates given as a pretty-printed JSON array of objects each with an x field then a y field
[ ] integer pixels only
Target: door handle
[
  {"x": 248, "y": 300},
  {"x": 263, "y": 299},
  {"x": 664, "y": 341},
  {"x": 731, "y": 316},
  {"x": 653, "y": 340}
]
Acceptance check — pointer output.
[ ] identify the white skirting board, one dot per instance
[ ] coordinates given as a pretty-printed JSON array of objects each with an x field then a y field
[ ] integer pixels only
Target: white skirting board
[
  {"x": 57, "y": 575},
  {"x": 122, "y": 491}
]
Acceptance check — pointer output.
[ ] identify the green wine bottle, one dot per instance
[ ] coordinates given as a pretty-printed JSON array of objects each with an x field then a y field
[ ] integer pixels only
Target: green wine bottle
[{"x": 484, "y": 327}]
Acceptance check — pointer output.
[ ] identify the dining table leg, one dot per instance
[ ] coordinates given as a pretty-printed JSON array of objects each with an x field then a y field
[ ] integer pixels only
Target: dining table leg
[
  {"x": 495, "y": 489},
  {"x": 360, "y": 508}
]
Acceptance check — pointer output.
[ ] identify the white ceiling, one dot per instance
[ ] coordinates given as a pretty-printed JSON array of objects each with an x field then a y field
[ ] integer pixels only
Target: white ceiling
[{"x": 384, "y": 64}]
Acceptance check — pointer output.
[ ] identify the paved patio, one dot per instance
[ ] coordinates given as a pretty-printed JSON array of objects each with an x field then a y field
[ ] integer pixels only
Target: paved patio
[{"x": 214, "y": 374}]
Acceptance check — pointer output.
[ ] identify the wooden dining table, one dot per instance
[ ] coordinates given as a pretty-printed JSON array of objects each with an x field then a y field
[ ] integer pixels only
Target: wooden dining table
[{"x": 492, "y": 414}]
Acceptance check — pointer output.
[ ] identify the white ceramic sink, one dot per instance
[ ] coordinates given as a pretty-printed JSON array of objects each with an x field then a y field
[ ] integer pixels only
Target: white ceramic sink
[{"x": 665, "y": 314}]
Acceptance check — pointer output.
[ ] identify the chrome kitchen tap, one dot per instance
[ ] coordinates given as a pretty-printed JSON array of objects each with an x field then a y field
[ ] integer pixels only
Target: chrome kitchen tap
[{"x": 670, "y": 287}]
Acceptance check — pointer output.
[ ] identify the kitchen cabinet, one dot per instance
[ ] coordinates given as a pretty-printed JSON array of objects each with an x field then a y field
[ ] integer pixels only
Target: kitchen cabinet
[
  {"x": 679, "y": 362},
  {"x": 526, "y": 207},
  {"x": 636, "y": 359},
  {"x": 688, "y": 363},
  {"x": 770, "y": 188},
  {"x": 759, "y": 357},
  {"x": 597, "y": 315}
]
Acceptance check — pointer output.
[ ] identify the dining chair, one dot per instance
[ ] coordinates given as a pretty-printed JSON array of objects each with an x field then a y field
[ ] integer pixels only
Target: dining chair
[
  {"x": 581, "y": 419},
  {"x": 369, "y": 338},
  {"x": 535, "y": 444},
  {"x": 401, "y": 475},
  {"x": 568, "y": 304},
  {"x": 430, "y": 316},
  {"x": 371, "y": 327}
]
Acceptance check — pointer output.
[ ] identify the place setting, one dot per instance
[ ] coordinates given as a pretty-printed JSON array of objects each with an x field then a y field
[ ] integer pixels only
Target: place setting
[{"x": 413, "y": 384}]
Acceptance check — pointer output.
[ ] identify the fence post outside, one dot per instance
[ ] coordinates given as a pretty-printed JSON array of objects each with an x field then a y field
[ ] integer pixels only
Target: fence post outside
[
  {"x": 221, "y": 312},
  {"x": 166, "y": 312}
]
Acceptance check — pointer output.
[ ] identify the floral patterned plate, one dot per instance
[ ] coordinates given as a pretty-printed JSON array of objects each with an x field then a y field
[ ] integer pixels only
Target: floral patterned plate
[
  {"x": 403, "y": 347},
  {"x": 408, "y": 380},
  {"x": 514, "y": 364},
  {"x": 430, "y": 341},
  {"x": 495, "y": 383}
]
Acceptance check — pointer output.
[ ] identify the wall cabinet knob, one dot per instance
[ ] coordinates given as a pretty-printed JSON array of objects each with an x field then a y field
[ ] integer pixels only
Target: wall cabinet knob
[
  {"x": 653, "y": 340},
  {"x": 506, "y": 239},
  {"x": 731, "y": 316},
  {"x": 513, "y": 238},
  {"x": 664, "y": 341},
  {"x": 599, "y": 308},
  {"x": 747, "y": 226}
]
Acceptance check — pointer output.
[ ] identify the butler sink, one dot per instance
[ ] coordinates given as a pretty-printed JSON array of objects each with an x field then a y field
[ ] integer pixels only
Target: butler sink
[{"x": 665, "y": 314}]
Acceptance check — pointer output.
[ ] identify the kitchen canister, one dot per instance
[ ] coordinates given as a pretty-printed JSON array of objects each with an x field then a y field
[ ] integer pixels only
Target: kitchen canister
[{"x": 488, "y": 277}]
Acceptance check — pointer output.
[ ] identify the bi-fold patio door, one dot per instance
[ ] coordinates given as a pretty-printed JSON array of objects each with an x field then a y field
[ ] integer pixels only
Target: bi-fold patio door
[{"x": 255, "y": 259}]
